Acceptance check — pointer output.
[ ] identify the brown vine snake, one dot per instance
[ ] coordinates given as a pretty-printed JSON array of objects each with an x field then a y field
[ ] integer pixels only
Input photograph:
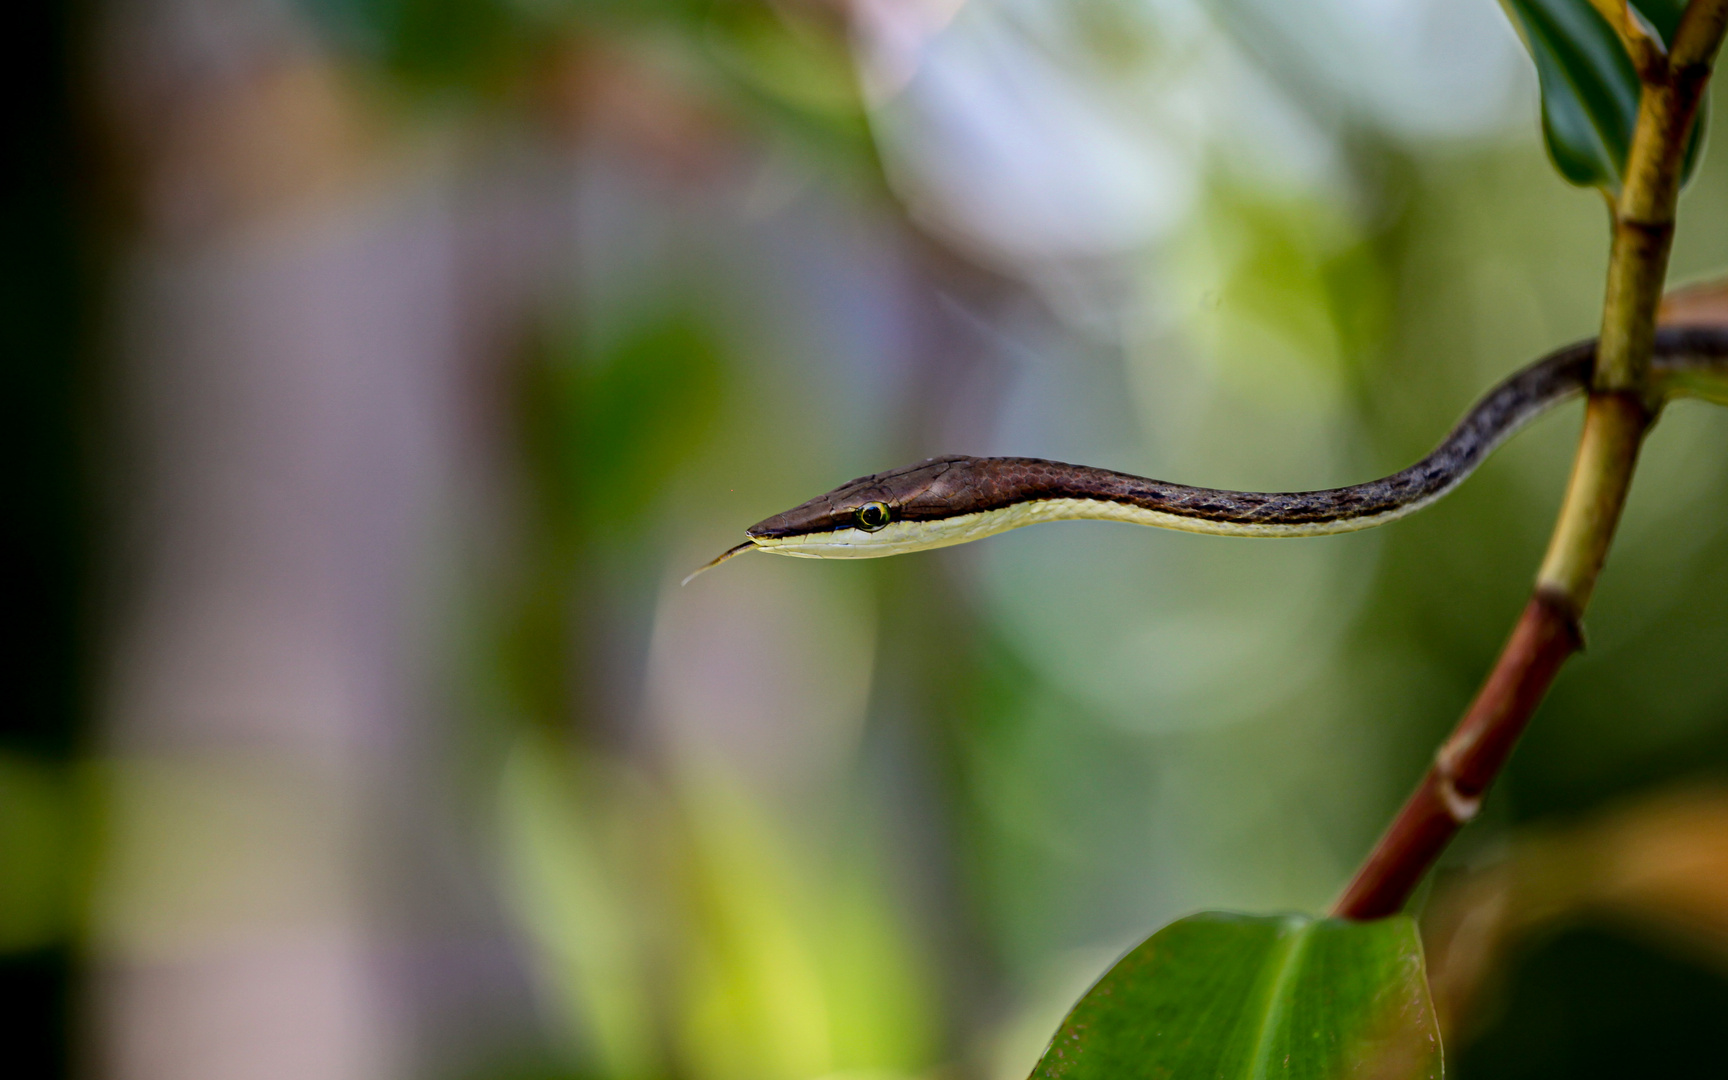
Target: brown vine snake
[{"x": 954, "y": 500}]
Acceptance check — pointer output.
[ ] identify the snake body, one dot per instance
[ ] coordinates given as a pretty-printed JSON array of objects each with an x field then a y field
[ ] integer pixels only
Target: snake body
[{"x": 957, "y": 499}]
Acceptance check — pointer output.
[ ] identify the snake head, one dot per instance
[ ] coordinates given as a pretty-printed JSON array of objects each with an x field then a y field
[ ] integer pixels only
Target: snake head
[
  {"x": 857, "y": 519},
  {"x": 881, "y": 514}
]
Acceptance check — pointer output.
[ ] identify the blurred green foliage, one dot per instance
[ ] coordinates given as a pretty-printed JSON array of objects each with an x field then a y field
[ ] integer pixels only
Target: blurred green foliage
[
  {"x": 39, "y": 842},
  {"x": 1073, "y": 734},
  {"x": 1555, "y": 1021},
  {"x": 782, "y": 67},
  {"x": 606, "y": 432}
]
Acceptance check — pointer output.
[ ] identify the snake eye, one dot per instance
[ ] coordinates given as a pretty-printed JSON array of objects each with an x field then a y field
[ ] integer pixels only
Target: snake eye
[{"x": 872, "y": 516}]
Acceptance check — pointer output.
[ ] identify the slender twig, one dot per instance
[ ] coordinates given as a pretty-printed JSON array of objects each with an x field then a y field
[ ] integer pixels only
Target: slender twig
[
  {"x": 1646, "y": 52},
  {"x": 1620, "y": 411},
  {"x": 1699, "y": 35}
]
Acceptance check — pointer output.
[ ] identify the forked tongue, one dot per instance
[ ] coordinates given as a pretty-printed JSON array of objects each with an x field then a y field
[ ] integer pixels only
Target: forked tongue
[{"x": 739, "y": 550}]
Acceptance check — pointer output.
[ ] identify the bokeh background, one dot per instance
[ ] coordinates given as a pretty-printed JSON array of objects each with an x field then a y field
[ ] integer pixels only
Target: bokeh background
[{"x": 378, "y": 367}]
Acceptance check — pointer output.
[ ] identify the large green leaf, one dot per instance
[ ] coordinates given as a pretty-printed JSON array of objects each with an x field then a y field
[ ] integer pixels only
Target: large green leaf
[
  {"x": 1224, "y": 996},
  {"x": 1589, "y": 87}
]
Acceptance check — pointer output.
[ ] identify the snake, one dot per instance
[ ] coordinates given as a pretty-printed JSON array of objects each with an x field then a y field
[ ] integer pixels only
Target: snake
[{"x": 957, "y": 499}]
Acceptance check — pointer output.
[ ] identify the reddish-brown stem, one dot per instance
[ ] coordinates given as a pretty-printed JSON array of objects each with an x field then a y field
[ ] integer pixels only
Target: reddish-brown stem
[
  {"x": 1621, "y": 408},
  {"x": 1450, "y": 793},
  {"x": 1546, "y": 635}
]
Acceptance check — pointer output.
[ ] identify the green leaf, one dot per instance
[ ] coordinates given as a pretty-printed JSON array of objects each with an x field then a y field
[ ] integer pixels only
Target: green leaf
[
  {"x": 1663, "y": 15},
  {"x": 1218, "y": 995},
  {"x": 1590, "y": 89}
]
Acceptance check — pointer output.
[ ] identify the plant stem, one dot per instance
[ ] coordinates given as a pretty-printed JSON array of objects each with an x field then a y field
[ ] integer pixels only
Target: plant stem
[
  {"x": 1614, "y": 427},
  {"x": 1644, "y": 52},
  {"x": 1619, "y": 412},
  {"x": 1451, "y": 791}
]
